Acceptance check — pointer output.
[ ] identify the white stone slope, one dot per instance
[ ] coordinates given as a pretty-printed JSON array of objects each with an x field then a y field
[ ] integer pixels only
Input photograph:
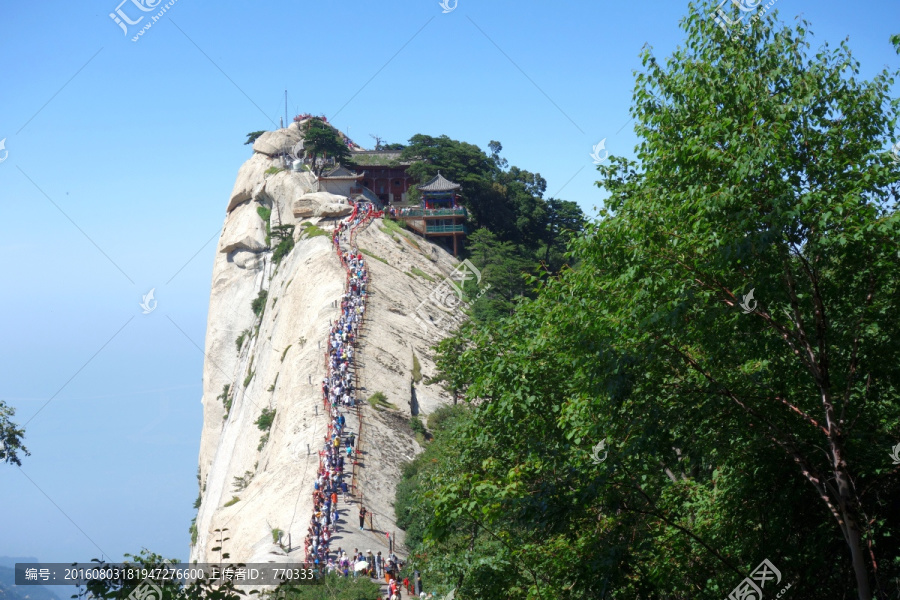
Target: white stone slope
[{"x": 284, "y": 352}]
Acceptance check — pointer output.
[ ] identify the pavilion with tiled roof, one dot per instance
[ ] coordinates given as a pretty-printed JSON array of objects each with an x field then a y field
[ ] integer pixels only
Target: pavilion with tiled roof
[
  {"x": 438, "y": 186},
  {"x": 440, "y": 214}
]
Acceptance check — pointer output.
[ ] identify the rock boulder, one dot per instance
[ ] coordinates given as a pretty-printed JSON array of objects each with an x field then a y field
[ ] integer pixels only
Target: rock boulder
[
  {"x": 245, "y": 259},
  {"x": 250, "y": 176},
  {"x": 280, "y": 141},
  {"x": 321, "y": 204},
  {"x": 283, "y": 190},
  {"x": 244, "y": 230},
  {"x": 334, "y": 210}
]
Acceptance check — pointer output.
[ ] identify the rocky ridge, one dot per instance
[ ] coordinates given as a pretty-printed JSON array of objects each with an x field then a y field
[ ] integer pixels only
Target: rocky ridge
[{"x": 255, "y": 484}]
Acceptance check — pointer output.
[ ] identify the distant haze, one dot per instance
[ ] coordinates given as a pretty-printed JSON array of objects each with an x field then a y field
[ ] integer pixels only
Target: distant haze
[{"x": 10, "y": 591}]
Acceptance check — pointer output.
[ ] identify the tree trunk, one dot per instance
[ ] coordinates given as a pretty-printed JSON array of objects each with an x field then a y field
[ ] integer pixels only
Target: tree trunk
[
  {"x": 852, "y": 533},
  {"x": 859, "y": 563}
]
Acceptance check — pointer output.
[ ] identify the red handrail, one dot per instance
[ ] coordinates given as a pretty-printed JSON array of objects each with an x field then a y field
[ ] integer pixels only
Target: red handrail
[{"x": 352, "y": 338}]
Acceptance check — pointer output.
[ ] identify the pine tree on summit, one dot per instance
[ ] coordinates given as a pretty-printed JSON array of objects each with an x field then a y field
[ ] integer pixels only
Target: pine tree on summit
[{"x": 321, "y": 140}]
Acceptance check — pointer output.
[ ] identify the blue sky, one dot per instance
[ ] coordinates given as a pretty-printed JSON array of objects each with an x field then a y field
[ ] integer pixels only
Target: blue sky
[{"x": 122, "y": 155}]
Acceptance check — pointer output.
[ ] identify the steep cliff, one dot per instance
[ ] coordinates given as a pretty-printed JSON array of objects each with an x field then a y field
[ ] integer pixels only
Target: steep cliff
[{"x": 274, "y": 361}]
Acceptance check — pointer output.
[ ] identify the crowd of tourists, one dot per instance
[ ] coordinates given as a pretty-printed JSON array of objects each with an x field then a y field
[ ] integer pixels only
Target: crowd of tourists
[
  {"x": 340, "y": 447},
  {"x": 338, "y": 396}
]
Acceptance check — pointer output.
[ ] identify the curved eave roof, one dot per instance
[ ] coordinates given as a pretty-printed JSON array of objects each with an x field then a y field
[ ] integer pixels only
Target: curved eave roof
[{"x": 439, "y": 184}]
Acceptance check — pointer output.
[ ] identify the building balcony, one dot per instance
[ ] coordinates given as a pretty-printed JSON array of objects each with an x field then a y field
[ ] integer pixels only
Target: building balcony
[
  {"x": 459, "y": 228},
  {"x": 433, "y": 212}
]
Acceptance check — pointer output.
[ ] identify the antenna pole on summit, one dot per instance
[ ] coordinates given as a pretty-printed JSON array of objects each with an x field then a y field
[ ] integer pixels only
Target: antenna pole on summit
[{"x": 285, "y": 106}]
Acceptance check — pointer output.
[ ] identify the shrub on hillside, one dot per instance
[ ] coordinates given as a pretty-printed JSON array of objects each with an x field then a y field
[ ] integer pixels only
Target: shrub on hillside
[
  {"x": 440, "y": 418},
  {"x": 225, "y": 398},
  {"x": 264, "y": 422},
  {"x": 416, "y": 367},
  {"x": 259, "y": 303},
  {"x": 239, "y": 342},
  {"x": 282, "y": 249},
  {"x": 415, "y": 423},
  {"x": 379, "y": 401}
]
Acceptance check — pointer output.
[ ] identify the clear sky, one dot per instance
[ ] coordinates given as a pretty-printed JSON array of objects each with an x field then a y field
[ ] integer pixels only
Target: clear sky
[{"x": 122, "y": 156}]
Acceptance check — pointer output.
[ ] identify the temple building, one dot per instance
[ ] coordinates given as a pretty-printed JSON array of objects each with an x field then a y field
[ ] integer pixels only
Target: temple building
[
  {"x": 341, "y": 181},
  {"x": 440, "y": 215},
  {"x": 384, "y": 174}
]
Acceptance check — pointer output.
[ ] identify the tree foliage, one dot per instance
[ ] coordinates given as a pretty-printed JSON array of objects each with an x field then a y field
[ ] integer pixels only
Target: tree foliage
[
  {"x": 506, "y": 200},
  {"x": 253, "y": 136},
  {"x": 330, "y": 587},
  {"x": 516, "y": 232},
  {"x": 321, "y": 140},
  {"x": 11, "y": 446},
  {"x": 111, "y": 589},
  {"x": 259, "y": 303},
  {"x": 284, "y": 234},
  {"x": 732, "y": 433},
  {"x": 265, "y": 419}
]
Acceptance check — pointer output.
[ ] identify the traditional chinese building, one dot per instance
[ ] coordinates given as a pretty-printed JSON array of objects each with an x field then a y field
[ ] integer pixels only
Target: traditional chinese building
[
  {"x": 384, "y": 174},
  {"x": 440, "y": 214},
  {"x": 340, "y": 180}
]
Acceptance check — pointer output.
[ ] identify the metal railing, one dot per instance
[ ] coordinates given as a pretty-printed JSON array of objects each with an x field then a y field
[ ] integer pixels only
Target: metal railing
[
  {"x": 432, "y": 212},
  {"x": 355, "y": 466},
  {"x": 445, "y": 228},
  {"x": 370, "y": 196}
]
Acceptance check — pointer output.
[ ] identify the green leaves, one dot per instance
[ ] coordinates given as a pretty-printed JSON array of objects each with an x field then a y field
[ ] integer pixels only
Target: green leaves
[
  {"x": 265, "y": 419},
  {"x": 759, "y": 168},
  {"x": 11, "y": 446},
  {"x": 321, "y": 140},
  {"x": 252, "y": 136},
  {"x": 507, "y": 202}
]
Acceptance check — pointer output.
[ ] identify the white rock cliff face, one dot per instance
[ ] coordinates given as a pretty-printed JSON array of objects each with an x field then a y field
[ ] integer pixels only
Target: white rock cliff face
[{"x": 279, "y": 365}]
